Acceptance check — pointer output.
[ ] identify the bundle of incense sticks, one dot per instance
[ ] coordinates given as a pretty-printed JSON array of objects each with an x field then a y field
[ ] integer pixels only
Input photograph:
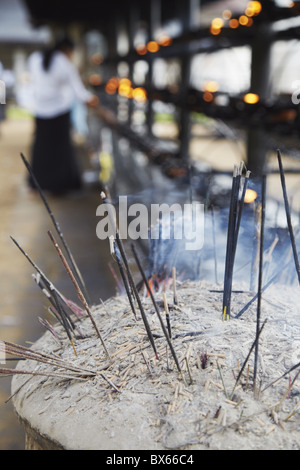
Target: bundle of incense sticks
[
  {"x": 235, "y": 216},
  {"x": 66, "y": 370},
  {"x": 118, "y": 250}
]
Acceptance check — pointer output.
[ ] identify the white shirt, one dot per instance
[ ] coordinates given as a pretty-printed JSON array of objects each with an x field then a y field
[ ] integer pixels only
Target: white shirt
[{"x": 53, "y": 91}]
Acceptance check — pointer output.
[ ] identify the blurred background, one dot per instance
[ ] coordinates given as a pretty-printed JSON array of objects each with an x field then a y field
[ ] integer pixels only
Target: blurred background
[{"x": 187, "y": 89}]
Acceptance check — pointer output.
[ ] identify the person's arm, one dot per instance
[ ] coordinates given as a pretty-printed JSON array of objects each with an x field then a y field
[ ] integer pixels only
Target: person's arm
[{"x": 81, "y": 93}]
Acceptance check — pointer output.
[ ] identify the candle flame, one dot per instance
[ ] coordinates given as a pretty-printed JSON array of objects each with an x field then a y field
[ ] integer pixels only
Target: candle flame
[
  {"x": 251, "y": 98},
  {"x": 250, "y": 196}
]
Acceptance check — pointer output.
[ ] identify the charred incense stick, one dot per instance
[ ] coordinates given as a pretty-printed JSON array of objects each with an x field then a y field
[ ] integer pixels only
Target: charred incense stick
[
  {"x": 235, "y": 217},
  {"x": 156, "y": 307},
  {"x": 175, "y": 299},
  {"x": 265, "y": 287},
  {"x": 247, "y": 358},
  {"x": 282, "y": 376},
  {"x": 125, "y": 282},
  {"x": 49, "y": 284},
  {"x": 78, "y": 290},
  {"x": 53, "y": 299},
  {"x": 241, "y": 206},
  {"x": 141, "y": 308},
  {"x": 118, "y": 244},
  {"x": 61, "y": 313},
  {"x": 261, "y": 261},
  {"x": 167, "y": 315},
  {"x": 56, "y": 225},
  {"x": 49, "y": 327},
  {"x": 69, "y": 371},
  {"x": 214, "y": 243},
  {"x": 288, "y": 215}
]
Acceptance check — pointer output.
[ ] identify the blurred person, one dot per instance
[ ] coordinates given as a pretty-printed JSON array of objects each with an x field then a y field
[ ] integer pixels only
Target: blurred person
[{"x": 55, "y": 84}]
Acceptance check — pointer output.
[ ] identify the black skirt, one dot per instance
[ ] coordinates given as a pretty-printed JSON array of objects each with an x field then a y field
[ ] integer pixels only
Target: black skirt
[{"x": 54, "y": 162}]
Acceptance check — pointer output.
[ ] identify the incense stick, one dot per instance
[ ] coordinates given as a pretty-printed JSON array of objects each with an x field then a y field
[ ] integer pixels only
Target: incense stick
[
  {"x": 288, "y": 215},
  {"x": 261, "y": 260},
  {"x": 282, "y": 376},
  {"x": 137, "y": 297},
  {"x": 265, "y": 287},
  {"x": 69, "y": 371},
  {"x": 78, "y": 290},
  {"x": 56, "y": 225},
  {"x": 175, "y": 299},
  {"x": 49, "y": 284},
  {"x": 214, "y": 242},
  {"x": 167, "y": 315},
  {"x": 156, "y": 307},
  {"x": 118, "y": 248},
  {"x": 247, "y": 358},
  {"x": 125, "y": 282},
  {"x": 231, "y": 236}
]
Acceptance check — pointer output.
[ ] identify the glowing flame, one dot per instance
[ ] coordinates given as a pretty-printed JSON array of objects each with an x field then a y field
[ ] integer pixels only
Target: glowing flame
[
  {"x": 164, "y": 41},
  {"x": 234, "y": 23},
  {"x": 217, "y": 23},
  {"x": 208, "y": 97},
  {"x": 141, "y": 49},
  {"x": 251, "y": 98},
  {"x": 152, "y": 46},
  {"x": 250, "y": 196},
  {"x": 211, "y": 86},
  {"x": 243, "y": 20},
  {"x": 216, "y": 26},
  {"x": 227, "y": 14},
  {"x": 125, "y": 88},
  {"x": 253, "y": 8},
  {"x": 139, "y": 94},
  {"x": 112, "y": 86},
  {"x": 215, "y": 31}
]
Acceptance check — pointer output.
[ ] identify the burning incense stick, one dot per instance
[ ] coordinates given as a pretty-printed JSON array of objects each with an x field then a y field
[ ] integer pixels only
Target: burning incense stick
[
  {"x": 156, "y": 307},
  {"x": 78, "y": 290},
  {"x": 56, "y": 225},
  {"x": 121, "y": 256},
  {"x": 137, "y": 297},
  {"x": 235, "y": 216},
  {"x": 288, "y": 215},
  {"x": 125, "y": 282},
  {"x": 167, "y": 315},
  {"x": 261, "y": 260},
  {"x": 231, "y": 240},
  {"x": 175, "y": 299}
]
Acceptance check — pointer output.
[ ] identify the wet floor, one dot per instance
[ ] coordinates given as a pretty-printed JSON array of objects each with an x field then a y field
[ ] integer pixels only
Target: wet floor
[{"x": 23, "y": 216}]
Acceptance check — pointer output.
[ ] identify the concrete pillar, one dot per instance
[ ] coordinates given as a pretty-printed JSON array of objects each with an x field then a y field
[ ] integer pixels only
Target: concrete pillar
[
  {"x": 154, "y": 24},
  {"x": 188, "y": 23},
  {"x": 260, "y": 84}
]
